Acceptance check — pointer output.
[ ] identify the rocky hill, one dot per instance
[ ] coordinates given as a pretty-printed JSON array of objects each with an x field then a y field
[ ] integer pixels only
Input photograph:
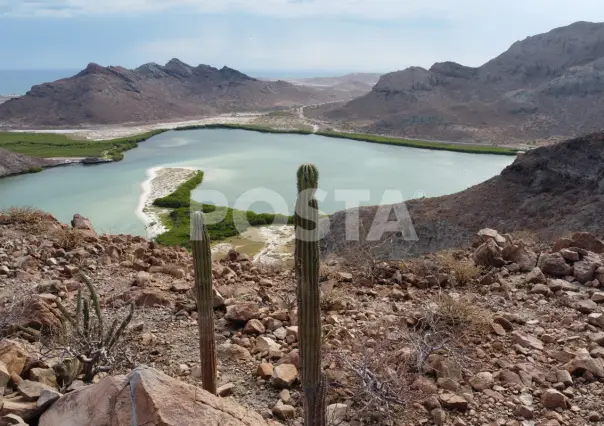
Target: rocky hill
[
  {"x": 357, "y": 84},
  {"x": 548, "y": 191},
  {"x": 506, "y": 332},
  {"x": 546, "y": 86},
  {"x": 12, "y": 163},
  {"x": 108, "y": 95}
]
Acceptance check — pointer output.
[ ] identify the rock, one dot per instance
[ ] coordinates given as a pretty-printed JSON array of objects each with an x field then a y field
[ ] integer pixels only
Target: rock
[
  {"x": 13, "y": 355},
  {"x": 587, "y": 241},
  {"x": 80, "y": 222},
  {"x": 594, "y": 416},
  {"x": 181, "y": 287},
  {"x": 553, "y": 399},
  {"x": 584, "y": 271},
  {"x": 218, "y": 299},
  {"x": 425, "y": 385},
  {"x": 598, "y": 297},
  {"x": 491, "y": 234},
  {"x": 524, "y": 412},
  {"x": 27, "y": 410},
  {"x": 535, "y": 276},
  {"x": 284, "y": 376},
  {"x": 242, "y": 312},
  {"x": 561, "y": 285},
  {"x": 12, "y": 419},
  {"x": 4, "y": 377},
  {"x": 46, "y": 376},
  {"x": 452, "y": 401},
  {"x": 586, "y": 306},
  {"x": 283, "y": 411},
  {"x": 336, "y": 413},
  {"x": 254, "y": 326},
  {"x": 232, "y": 351},
  {"x": 36, "y": 313},
  {"x": 142, "y": 279},
  {"x": 146, "y": 396},
  {"x": 225, "y": 390},
  {"x": 266, "y": 344},
  {"x": 482, "y": 381},
  {"x": 570, "y": 255},
  {"x": 584, "y": 362},
  {"x": 280, "y": 333},
  {"x": 564, "y": 376},
  {"x": 488, "y": 254},
  {"x": 285, "y": 396},
  {"x": 520, "y": 254},
  {"x": 439, "y": 417},
  {"x": 31, "y": 391},
  {"x": 47, "y": 398},
  {"x": 554, "y": 264},
  {"x": 150, "y": 298},
  {"x": 265, "y": 371},
  {"x": 527, "y": 341},
  {"x": 345, "y": 277},
  {"x": 291, "y": 358},
  {"x": 509, "y": 377},
  {"x": 596, "y": 319},
  {"x": 540, "y": 289}
]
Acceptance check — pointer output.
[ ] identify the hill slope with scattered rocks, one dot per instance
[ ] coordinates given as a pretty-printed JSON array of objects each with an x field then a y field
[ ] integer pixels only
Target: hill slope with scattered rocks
[
  {"x": 505, "y": 332},
  {"x": 151, "y": 92},
  {"x": 547, "y": 86}
]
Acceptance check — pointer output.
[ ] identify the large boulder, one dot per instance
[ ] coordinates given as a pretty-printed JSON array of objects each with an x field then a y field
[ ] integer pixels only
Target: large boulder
[
  {"x": 554, "y": 264},
  {"x": 13, "y": 355},
  {"x": 146, "y": 397},
  {"x": 488, "y": 254},
  {"x": 519, "y": 253},
  {"x": 80, "y": 222}
]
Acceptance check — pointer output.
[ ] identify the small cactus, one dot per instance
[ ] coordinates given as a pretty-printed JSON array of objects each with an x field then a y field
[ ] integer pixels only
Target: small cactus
[
  {"x": 309, "y": 310},
  {"x": 202, "y": 263}
]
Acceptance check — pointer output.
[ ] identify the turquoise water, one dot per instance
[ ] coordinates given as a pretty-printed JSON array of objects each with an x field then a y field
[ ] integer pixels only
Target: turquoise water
[{"x": 237, "y": 161}]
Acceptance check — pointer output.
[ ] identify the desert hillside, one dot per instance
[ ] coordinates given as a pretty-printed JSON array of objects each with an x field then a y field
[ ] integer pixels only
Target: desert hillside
[
  {"x": 151, "y": 92},
  {"x": 508, "y": 331},
  {"x": 548, "y": 86}
]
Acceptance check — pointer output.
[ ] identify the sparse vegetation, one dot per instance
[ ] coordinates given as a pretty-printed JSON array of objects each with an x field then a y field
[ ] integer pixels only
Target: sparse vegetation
[{"x": 464, "y": 271}]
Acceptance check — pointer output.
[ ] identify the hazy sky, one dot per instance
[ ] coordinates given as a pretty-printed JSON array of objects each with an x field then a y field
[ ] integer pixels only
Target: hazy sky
[{"x": 327, "y": 35}]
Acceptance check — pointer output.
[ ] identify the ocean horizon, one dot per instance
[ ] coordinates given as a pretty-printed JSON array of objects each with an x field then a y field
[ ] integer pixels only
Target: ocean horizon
[{"x": 18, "y": 82}]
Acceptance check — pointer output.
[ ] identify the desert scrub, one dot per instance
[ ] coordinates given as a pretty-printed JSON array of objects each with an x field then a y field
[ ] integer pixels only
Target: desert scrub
[{"x": 462, "y": 270}]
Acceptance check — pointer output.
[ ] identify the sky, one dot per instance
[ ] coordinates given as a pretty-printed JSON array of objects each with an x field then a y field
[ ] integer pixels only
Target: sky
[{"x": 322, "y": 36}]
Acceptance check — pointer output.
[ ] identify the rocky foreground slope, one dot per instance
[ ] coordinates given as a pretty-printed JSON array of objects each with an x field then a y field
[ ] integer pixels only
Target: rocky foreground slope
[
  {"x": 548, "y": 86},
  {"x": 505, "y": 332},
  {"x": 548, "y": 191},
  {"x": 151, "y": 92}
]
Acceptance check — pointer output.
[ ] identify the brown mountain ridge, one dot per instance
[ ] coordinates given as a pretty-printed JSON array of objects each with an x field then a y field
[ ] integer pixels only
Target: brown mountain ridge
[
  {"x": 546, "y": 86},
  {"x": 151, "y": 92}
]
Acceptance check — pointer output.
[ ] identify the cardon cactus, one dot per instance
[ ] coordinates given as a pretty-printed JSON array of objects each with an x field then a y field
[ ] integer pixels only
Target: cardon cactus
[
  {"x": 309, "y": 311},
  {"x": 202, "y": 262}
]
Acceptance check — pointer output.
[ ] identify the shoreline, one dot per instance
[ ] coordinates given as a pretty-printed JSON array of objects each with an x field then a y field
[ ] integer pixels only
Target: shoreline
[{"x": 161, "y": 181}]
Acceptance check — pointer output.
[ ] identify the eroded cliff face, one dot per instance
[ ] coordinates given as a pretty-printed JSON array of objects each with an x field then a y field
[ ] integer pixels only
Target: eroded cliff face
[{"x": 11, "y": 163}]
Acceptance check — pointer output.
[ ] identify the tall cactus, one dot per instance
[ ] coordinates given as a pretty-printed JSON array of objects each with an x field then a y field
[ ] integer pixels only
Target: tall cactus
[
  {"x": 202, "y": 262},
  {"x": 309, "y": 310}
]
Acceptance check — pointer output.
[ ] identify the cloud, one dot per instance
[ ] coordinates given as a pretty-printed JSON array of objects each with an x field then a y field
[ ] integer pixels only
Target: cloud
[{"x": 389, "y": 10}]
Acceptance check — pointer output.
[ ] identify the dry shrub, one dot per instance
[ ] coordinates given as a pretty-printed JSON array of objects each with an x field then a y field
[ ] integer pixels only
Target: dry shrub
[
  {"x": 28, "y": 218},
  {"x": 464, "y": 271},
  {"x": 462, "y": 315},
  {"x": 68, "y": 238},
  {"x": 333, "y": 299},
  {"x": 274, "y": 268}
]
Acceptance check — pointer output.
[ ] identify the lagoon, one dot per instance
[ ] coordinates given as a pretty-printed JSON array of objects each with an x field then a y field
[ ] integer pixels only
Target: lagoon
[{"x": 236, "y": 162}]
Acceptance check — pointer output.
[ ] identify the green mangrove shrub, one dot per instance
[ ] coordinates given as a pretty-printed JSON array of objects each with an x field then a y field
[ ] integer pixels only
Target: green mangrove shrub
[{"x": 306, "y": 221}]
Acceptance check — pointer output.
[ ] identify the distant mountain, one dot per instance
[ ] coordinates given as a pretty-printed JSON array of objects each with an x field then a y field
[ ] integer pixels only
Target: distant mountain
[
  {"x": 546, "y": 86},
  {"x": 110, "y": 95},
  {"x": 357, "y": 84}
]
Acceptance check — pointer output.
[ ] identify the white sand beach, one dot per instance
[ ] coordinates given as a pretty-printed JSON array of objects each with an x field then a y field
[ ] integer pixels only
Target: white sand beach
[{"x": 160, "y": 182}]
